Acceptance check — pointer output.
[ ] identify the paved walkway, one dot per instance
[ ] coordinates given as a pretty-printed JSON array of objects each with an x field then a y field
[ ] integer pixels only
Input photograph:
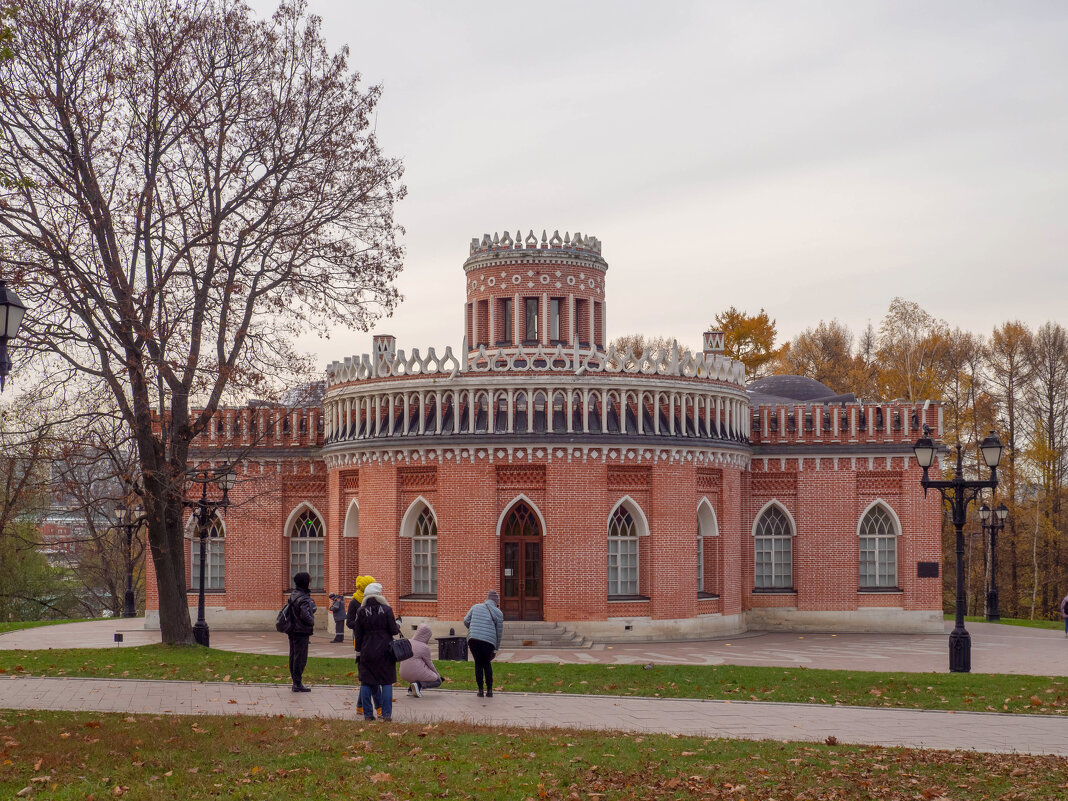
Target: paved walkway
[
  {"x": 1002, "y": 649},
  {"x": 855, "y": 725},
  {"x": 995, "y": 648}
]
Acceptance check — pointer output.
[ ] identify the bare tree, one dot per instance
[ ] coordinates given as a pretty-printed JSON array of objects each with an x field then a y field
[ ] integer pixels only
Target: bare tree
[
  {"x": 31, "y": 587},
  {"x": 1048, "y": 406},
  {"x": 1009, "y": 376},
  {"x": 194, "y": 188},
  {"x": 911, "y": 347},
  {"x": 636, "y": 344}
]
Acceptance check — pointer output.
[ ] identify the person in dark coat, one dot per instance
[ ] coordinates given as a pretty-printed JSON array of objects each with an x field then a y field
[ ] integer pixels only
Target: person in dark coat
[
  {"x": 375, "y": 628},
  {"x": 362, "y": 584},
  {"x": 303, "y": 608},
  {"x": 337, "y": 609}
]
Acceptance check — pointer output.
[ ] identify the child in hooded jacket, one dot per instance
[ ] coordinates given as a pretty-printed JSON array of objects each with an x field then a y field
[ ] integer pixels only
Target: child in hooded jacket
[{"x": 419, "y": 670}]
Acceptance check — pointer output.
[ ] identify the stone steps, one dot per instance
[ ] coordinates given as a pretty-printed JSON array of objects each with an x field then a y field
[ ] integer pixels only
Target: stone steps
[{"x": 539, "y": 634}]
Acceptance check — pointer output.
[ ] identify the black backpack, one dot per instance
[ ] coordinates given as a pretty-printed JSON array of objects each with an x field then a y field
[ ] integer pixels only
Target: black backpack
[{"x": 284, "y": 621}]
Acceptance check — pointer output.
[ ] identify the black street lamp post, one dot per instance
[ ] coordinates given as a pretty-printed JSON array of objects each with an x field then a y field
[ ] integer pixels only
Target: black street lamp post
[
  {"x": 957, "y": 493},
  {"x": 205, "y": 511},
  {"x": 993, "y": 522},
  {"x": 11, "y": 311},
  {"x": 130, "y": 520}
]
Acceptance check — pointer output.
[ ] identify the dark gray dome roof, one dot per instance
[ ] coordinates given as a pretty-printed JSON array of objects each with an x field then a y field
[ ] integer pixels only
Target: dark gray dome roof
[{"x": 793, "y": 389}]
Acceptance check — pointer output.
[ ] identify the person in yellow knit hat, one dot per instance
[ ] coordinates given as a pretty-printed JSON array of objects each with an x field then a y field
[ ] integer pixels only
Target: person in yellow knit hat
[{"x": 362, "y": 583}]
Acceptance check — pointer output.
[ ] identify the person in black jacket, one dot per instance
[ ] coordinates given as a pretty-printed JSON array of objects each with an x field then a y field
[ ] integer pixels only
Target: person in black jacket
[
  {"x": 303, "y": 626},
  {"x": 337, "y": 609},
  {"x": 375, "y": 628}
]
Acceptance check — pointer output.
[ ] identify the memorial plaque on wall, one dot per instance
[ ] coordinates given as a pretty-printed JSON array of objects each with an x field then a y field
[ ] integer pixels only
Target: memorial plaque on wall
[{"x": 927, "y": 570}]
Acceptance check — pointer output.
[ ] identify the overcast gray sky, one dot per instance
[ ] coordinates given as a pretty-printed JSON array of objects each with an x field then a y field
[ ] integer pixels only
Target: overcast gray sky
[{"x": 812, "y": 158}]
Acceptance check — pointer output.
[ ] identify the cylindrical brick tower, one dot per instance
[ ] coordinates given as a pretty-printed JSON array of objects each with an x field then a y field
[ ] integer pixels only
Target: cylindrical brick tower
[{"x": 522, "y": 293}]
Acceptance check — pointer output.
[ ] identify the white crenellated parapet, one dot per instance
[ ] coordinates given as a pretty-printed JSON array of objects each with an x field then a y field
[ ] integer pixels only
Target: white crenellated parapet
[
  {"x": 671, "y": 361},
  {"x": 505, "y": 241}
]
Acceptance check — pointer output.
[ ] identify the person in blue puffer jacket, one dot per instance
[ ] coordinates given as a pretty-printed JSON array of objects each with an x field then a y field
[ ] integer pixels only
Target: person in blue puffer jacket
[{"x": 485, "y": 625}]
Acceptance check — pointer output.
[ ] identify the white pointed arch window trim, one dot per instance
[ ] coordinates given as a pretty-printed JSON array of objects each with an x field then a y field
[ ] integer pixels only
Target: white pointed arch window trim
[
  {"x": 306, "y": 533},
  {"x": 352, "y": 520},
  {"x": 707, "y": 526},
  {"x": 508, "y": 507},
  {"x": 773, "y": 549},
  {"x": 878, "y": 530},
  {"x": 214, "y": 553},
  {"x": 420, "y": 524},
  {"x": 626, "y": 525}
]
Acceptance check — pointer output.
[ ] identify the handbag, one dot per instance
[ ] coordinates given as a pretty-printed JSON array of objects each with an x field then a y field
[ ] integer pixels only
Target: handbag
[{"x": 400, "y": 649}]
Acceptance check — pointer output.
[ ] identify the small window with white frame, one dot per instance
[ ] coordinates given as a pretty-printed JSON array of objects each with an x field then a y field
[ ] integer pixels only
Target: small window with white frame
[{"x": 530, "y": 319}]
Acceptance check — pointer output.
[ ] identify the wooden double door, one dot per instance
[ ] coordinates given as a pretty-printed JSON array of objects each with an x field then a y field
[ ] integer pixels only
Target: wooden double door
[{"x": 521, "y": 565}]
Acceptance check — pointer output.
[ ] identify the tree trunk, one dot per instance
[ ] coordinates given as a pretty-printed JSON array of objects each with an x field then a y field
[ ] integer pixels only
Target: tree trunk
[{"x": 1034, "y": 561}]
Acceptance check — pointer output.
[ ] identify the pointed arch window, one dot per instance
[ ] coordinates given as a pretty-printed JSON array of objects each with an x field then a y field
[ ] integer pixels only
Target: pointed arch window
[
  {"x": 878, "y": 549},
  {"x": 773, "y": 551},
  {"x": 707, "y": 552},
  {"x": 622, "y": 553},
  {"x": 521, "y": 522},
  {"x": 425, "y": 554},
  {"x": 306, "y": 548},
  {"x": 214, "y": 561}
]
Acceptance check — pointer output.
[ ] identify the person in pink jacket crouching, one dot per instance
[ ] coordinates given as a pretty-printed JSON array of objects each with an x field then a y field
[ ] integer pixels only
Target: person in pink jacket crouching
[{"x": 420, "y": 670}]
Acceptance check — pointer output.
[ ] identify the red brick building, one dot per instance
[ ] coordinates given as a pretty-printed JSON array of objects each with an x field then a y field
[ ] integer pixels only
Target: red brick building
[{"x": 656, "y": 496}]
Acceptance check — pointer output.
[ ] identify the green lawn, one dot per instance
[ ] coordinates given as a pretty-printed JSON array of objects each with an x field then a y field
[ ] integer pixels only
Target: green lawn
[
  {"x": 972, "y": 691},
  {"x": 1014, "y": 621},
  {"x": 68, "y": 756},
  {"x": 17, "y": 625}
]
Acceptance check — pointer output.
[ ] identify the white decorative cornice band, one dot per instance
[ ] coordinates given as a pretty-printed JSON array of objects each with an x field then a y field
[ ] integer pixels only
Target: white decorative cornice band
[{"x": 531, "y": 454}]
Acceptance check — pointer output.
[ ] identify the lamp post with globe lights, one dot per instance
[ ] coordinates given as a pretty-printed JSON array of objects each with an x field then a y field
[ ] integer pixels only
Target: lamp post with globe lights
[
  {"x": 11, "y": 311},
  {"x": 957, "y": 493},
  {"x": 204, "y": 511},
  {"x": 993, "y": 521}
]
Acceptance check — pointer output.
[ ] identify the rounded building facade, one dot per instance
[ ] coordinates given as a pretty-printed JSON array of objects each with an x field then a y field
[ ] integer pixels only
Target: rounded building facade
[{"x": 620, "y": 495}]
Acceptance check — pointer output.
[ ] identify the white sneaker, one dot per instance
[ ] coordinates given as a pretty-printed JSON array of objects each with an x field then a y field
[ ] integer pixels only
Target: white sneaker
[
  {"x": 415, "y": 690},
  {"x": 409, "y": 690}
]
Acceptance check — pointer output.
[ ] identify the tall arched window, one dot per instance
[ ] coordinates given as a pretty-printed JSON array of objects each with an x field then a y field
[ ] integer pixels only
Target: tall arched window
[
  {"x": 622, "y": 553},
  {"x": 215, "y": 558},
  {"x": 878, "y": 549},
  {"x": 306, "y": 548},
  {"x": 773, "y": 551},
  {"x": 707, "y": 555},
  {"x": 425, "y": 554}
]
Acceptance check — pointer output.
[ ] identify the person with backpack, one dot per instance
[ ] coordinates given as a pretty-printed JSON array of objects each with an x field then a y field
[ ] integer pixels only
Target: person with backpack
[
  {"x": 301, "y": 627},
  {"x": 485, "y": 626},
  {"x": 419, "y": 670},
  {"x": 375, "y": 627}
]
